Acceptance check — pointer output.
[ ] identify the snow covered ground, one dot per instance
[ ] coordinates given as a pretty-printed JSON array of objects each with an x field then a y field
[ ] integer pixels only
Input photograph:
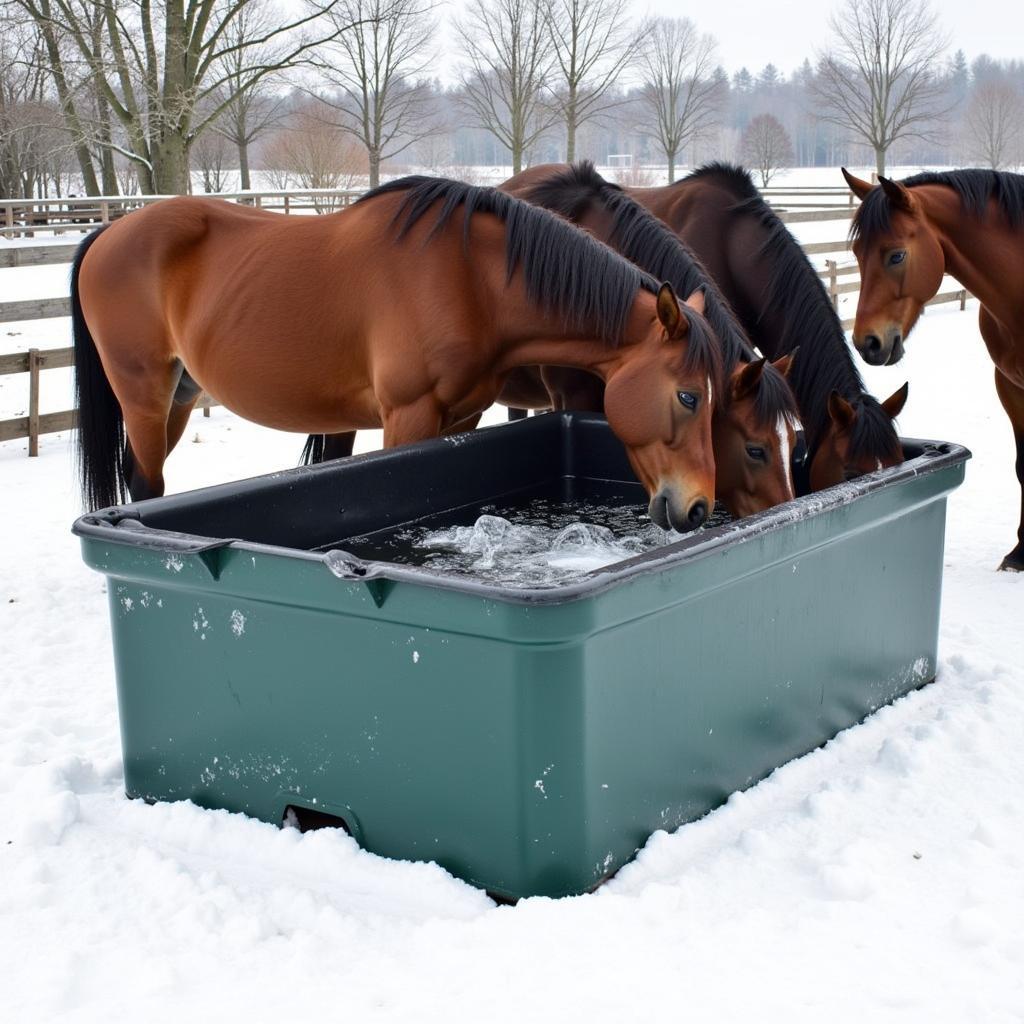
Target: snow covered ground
[{"x": 879, "y": 878}]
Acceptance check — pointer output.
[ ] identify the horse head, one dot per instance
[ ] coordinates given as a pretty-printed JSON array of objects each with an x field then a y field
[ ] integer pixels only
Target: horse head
[
  {"x": 860, "y": 438},
  {"x": 901, "y": 267},
  {"x": 659, "y": 401},
  {"x": 754, "y": 433}
]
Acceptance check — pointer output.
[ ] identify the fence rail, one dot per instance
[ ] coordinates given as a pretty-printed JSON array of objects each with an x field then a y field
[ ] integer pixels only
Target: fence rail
[{"x": 26, "y": 217}]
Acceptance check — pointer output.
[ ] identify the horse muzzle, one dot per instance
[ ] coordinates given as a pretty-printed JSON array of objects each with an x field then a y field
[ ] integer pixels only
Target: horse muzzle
[
  {"x": 669, "y": 512},
  {"x": 881, "y": 348}
]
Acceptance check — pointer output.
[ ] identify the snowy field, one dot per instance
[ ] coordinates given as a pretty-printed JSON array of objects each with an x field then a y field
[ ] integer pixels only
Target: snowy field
[{"x": 879, "y": 878}]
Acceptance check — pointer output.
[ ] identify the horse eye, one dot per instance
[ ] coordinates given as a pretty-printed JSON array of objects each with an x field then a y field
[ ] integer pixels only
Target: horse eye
[
  {"x": 688, "y": 399},
  {"x": 897, "y": 257},
  {"x": 756, "y": 453}
]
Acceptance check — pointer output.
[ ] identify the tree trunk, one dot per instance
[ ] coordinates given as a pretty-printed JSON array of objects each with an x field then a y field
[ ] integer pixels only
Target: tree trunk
[
  {"x": 67, "y": 103},
  {"x": 374, "y": 156},
  {"x": 517, "y": 160},
  {"x": 107, "y": 170},
  {"x": 671, "y": 165},
  {"x": 170, "y": 166},
  {"x": 570, "y": 127},
  {"x": 243, "y": 163},
  {"x": 879, "y": 160}
]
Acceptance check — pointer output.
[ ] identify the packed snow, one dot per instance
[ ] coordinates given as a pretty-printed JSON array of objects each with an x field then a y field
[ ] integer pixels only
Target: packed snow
[{"x": 879, "y": 878}]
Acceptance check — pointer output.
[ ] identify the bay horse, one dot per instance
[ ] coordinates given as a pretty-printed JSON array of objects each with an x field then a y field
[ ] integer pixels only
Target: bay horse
[
  {"x": 907, "y": 235},
  {"x": 405, "y": 311},
  {"x": 783, "y": 305},
  {"x": 754, "y": 424}
]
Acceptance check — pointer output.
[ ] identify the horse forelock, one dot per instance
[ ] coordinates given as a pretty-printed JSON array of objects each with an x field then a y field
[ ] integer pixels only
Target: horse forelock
[
  {"x": 703, "y": 354},
  {"x": 566, "y": 271},
  {"x": 774, "y": 398}
]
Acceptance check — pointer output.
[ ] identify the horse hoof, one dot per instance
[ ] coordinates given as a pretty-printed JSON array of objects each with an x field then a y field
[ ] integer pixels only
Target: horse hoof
[{"x": 1012, "y": 563}]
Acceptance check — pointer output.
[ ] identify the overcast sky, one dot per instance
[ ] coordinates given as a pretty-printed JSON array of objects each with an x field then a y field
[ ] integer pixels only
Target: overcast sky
[{"x": 753, "y": 33}]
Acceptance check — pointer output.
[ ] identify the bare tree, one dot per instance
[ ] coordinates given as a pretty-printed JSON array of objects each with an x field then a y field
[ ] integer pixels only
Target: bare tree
[
  {"x": 766, "y": 146},
  {"x": 879, "y": 82},
  {"x": 995, "y": 123},
  {"x": 163, "y": 63},
  {"x": 210, "y": 155},
  {"x": 508, "y": 60},
  {"x": 593, "y": 42},
  {"x": 374, "y": 66},
  {"x": 680, "y": 94},
  {"x": 251, "y": 108},
  {"x": 311, "y": 153}
]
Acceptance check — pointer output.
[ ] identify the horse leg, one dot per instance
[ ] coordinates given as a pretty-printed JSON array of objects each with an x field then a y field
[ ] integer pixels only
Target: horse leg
[
  {"x": 339, "y": 446},
  {"x": 1012, "y": 398},
  {"x": 147, "y": 406},
  {"x": 186, "y": 394}
]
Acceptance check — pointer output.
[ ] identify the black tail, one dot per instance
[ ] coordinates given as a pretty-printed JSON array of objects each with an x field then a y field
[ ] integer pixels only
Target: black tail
[
  {"x": 100, "y": 423},
  {"x": 314, "y": 450}
]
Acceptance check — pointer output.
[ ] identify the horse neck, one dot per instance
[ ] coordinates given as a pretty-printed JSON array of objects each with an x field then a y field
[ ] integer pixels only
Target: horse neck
[
  {"x": 544, "y": 340},
  {"x": 975, "y": 249}
]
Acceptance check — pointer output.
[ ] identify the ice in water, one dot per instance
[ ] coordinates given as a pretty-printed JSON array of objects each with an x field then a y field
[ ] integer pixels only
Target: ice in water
[
  {"x": 541, "y": 543},
  {"x": 532, "y": 554}
]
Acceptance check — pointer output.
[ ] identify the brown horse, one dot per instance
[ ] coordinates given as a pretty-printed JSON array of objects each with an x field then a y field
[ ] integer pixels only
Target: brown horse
[
  {"x": 754, "y": 423},
  {"x": 780, "y": 300},
  {"x": 907, "y": 235},
  {"x": 406, "y": 311}
]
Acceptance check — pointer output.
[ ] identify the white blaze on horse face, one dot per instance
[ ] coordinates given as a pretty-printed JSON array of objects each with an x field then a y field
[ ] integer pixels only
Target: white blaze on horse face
[
  {"x": 711, "y": 394},
  {"x": 781, "y": 428}
]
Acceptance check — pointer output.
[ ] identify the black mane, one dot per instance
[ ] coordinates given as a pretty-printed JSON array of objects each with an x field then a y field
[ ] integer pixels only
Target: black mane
[
  {"x": 649, "y": 243},
  {"x": 809, "y": 322},
  {"x": 566, "y": 271},
  {"x": 974, "y": 186}
]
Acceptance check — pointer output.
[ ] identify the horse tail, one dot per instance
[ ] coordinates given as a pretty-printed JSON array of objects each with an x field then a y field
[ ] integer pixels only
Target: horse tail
[
  {"x": 100, "y": 452},
  {"x": 314, "y": 450}
]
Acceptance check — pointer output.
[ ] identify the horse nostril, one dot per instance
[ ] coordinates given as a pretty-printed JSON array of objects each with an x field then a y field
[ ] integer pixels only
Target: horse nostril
[
  {"x": 873, "y": 343},
  {"x": 697, "y": 514}
]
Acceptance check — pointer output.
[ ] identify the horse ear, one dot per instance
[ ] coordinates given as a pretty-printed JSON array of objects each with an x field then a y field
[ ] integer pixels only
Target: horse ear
[
  {"x": 669, "y": 313},
  {"x": 785, "y": 364},
  {"x": 893, "y": 405},
  {"x": 858, "y": 186},
  {"x": 899, "y": 195},
  {"x": 746, "y": 380},
  {"x": 842, "y": 413},
  {"x": 696, "y": 301}
]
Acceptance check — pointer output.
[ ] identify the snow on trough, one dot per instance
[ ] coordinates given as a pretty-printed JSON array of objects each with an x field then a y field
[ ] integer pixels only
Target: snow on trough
[{"x": 880, "y": 878}]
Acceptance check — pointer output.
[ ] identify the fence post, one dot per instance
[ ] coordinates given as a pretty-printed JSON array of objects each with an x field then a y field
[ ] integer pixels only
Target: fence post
[
  {"x": 104, "y": 213},
  {"x": 833, "y": 282},
  {"x": 34, "y": 363},
  {"x": 287, "y": 206}
]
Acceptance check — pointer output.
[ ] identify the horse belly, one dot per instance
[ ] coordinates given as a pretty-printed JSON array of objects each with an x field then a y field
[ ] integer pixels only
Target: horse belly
[{"x": 279, "y": 353}]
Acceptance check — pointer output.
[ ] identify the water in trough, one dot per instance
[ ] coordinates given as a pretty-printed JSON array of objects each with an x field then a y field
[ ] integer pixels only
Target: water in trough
[{"x": 528, "y": 541}]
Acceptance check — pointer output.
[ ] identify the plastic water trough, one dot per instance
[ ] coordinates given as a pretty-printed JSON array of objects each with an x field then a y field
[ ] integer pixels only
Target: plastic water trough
[{"x": 528, "y": 740}]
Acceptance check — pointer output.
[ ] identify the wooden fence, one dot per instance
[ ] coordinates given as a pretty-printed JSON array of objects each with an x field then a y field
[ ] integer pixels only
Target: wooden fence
[
  {"x": 28, "y": 217},
  {"x": 838, "y": 280}
]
